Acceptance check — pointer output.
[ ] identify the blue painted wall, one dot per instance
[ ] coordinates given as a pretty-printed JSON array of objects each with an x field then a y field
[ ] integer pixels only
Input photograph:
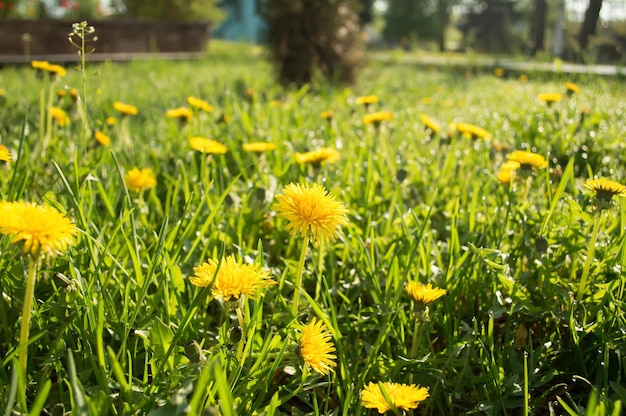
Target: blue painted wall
[{"x": 243, "y": 22}]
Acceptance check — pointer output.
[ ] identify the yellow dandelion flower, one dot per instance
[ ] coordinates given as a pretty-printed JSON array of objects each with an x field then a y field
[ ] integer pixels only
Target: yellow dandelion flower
[
  {"x": 205, "y": 145},
  {"x": 528, "y": 159},
  {"x": 424, "y": 294},
  {"x": 523, "y": 78},
  {"x": 41, "y": 228},
  {"x": 430, "y": 124},
  {"x": 5, "y": 154},
  {"x": 605, "y": 189},
  {"x": 507, "y": 171},
  {"x": 316, "y": 348},
  {"x": 60, "y": 116},
  {"x": 549, "y": 98},
  {"x": 40, "y": 65},
  {"x": 233, "y": 278},
  {"x": 125, "y": 109},
  {"x": 60, "y": 93},
  {"x": 180, "y": 113},
  {"x": 57, "y": 70},
  {"x": 102, "y": 138},
  {"x": 367, "y": 100},
  {"x": 316, "y": 157},
  {"x": 2, "y": 92},
  {"x": 571, "y": 88},
  {"x": 377, "y": 117},
  {"x": 140, "y": 180},
  {"x": 499, "y": 72},
  {"x": 274, "y": 103},
  {"x": 74, "y": 94},
  {"x": 111, "y": 121},
  {"x": 403, "y": 396},
  {"x": 199, "y": 104},
  {"x": 259, "y": 147},
  {"x": 250, "y": 93},
  {"x": 328, "y": 114},
  {"x": 311, "y": 211},
  {"x": 472, "y": 131}
]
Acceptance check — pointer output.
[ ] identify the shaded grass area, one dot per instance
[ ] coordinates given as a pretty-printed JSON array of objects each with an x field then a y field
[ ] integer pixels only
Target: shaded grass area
[{"x": 116, "y": 316}]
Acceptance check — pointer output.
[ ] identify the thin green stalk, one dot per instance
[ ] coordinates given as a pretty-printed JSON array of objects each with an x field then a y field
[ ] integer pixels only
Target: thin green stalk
[
  {"x": 590, "y": 254},
  {"x": 29, "y": 293},
  {"x": 296, "y": 292},
  {"x": 414, "y": 343},
  {"x": 242, "y": 324}
]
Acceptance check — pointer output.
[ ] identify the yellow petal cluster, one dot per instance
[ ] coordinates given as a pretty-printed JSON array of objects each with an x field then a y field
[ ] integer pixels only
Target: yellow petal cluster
[
  {"x": 605, "y": 189},
  {"x": 528, "y": 159},
  {"x": 41, "y": 228},
  {"x": 367, "y": 99},
  {"x": 311, "y": 211},
  {"x": 140, "y": 180},
  {"x": 200, "y": 104},
  {"x": 5, "y": 154},
  {"x": 180, "y": 113},
  {"x": 404, "y": 397},
  {"x": 59, "y": 116},
  {"x": 316, "y": 347},
  {"x": 125, "y": 109},
  {"x": 377, "y": 117},
  {"x": 318, "y": 156},
  {"x": 549, "y": 97},
  {"x": 471, "y": 130},
  {"x": 430, "y": 124},
  {"x": 259, "y": 147},
  {"x": 102, "y": 138},
  {"x": 204, "y": 145},
  {"x": 231, "y": 278},
  {"x": 424, "y": 294}
]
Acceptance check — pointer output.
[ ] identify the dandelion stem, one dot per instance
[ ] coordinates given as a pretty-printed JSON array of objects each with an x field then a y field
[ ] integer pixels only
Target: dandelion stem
[
  {"x": 26, "y": 312},
  {"x": 590, "y": 256},
  {"x": 416, "y": 327},
  {"x": 299, "y": 270},
  {"x": 242, "y": 324}
]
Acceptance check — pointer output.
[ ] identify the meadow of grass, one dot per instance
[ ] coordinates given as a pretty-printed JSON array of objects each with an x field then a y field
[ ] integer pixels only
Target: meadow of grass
[{"x": 117, "y": 327}]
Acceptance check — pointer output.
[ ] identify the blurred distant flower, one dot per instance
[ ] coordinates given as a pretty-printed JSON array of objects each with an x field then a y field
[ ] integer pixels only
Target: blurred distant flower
[
  {"x": 205, "y": 145},
  {"x": 499, "y": 72},
  {"x": 125, "y": 109},
  {"x": 571, "y": 88},
  {"x": 231, "y": 278},
  {"x": 523, "y": 78},
  {"x": 471, "y": 131},
  {"x": 507, "y": 171},
  {"x": 60, "y": 116},
  {"x": 199, "y": 104},
  {"x": 328, "y": 115},
  {"x": 275, "y": 104},
  {"x": 140, "y": 180},
  {"x": 377, "y": 118},
  {"x": 316, "y": 157},
  {"x": 430, "y": 124},
  {"x": 5, "y": 154},
  {"x": 366, "y": 100},
  {"x": 61, "y": 93},
  {"x": 102, "y": 138},
  {"x": 527, "y": 159},
  {"x": 111, "y": 121},
  {"x": 311, "y": 211},
  {"x": 259, "y": 147},
  {"x": 549, "y": 98},
  {"x": 316, "y": 347},
  {"x": 403, "y": 397},
  {"x": 183, "y": 114},
  {"x": 74, "y": 94},
  {"x": 40, "y": 65}
]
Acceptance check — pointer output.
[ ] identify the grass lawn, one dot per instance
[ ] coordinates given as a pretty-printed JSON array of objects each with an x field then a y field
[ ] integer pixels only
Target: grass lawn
[{"x": 532, "y": 322}]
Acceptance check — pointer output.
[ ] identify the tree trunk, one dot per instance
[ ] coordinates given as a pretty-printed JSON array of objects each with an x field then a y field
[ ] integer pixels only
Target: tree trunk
[
  {"x": 588, "y": 27},
  {"x": 443, "y": 13},
  {"x": 538, "y": 27}
]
